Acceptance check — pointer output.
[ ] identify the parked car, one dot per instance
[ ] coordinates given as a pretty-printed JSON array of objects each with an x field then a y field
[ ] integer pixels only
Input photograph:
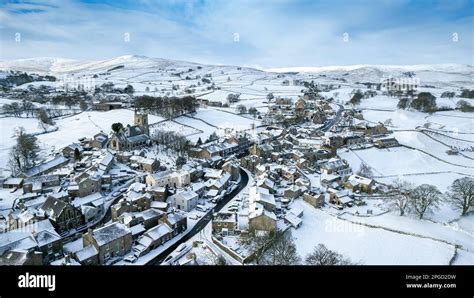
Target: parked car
[
  {"x": 168, "y": 258},
  {"x": 130, "y": 259},
  {"x": 181, "y": 247},
  {"x": 201, "y": 208}
]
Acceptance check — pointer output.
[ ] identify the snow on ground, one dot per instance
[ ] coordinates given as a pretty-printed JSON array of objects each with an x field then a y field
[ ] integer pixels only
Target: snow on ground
[
  {"x": 410, "y": 224},
  {"x": 175, "y": 127},
  {"x": 86, "y": 124},
  {"x": 466, "y": 223},
  {"x": 217, "y": 95},
  {"x": 363, "y": 244},
  {"x": 204, "y": 128},
  {"x": 405, "y": 161},
  {"x": 401, "y": 119},
  {"x": 4, "y": 100},
  {"x": 441, "y": 180},
  {"x": 379, "y": 102},
  {"x": 7, "y": 198},
  {"x": 8, "y": 126},
  {"x": 423, "y": 142},
  {"x": 458, "y": 122},
  {"x": 444, "y": 214},
  {"x": 224, "y": 120},
  {"x": 464, "y": 258}
]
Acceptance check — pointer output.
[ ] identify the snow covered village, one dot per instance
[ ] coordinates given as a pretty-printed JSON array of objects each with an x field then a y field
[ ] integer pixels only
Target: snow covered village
[{"x": 136, "y": 160}]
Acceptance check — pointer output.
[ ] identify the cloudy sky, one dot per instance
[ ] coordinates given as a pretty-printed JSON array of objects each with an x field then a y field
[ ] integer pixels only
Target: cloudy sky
[{"x": 259, "y": 33}]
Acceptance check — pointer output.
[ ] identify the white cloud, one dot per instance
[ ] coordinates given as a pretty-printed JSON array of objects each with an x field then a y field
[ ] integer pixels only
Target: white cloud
[{"x": 272, "y": 34}]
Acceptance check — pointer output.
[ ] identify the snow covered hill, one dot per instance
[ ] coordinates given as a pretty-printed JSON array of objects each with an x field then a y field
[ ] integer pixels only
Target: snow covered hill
[
  {"x": 56, "y": 66},
  {"x": 427, "y": 73},
  {"x": 130, "y": 66}
]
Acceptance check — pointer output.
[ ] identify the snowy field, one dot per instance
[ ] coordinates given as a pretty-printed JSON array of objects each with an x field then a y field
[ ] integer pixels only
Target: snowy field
[
  {"x": 453, "y": 128},
  {"x": 86, "y": 124},
  {"x": 70, "y": 129},
  {"x": 449, "y": 121},
  {"x": 403, "y": 163},
  {"x": 225, "y": 120},
  {"x": 205, "y": 130},
  {"x": 423, "y": 142},
  {"x": 9, "y": 125},
  {"x": 175, "y": 127},
  {"x": 366, "y": 245}
]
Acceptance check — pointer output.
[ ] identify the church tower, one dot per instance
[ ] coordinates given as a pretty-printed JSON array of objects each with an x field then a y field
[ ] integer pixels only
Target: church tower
[{"x": 141, "y": 120}]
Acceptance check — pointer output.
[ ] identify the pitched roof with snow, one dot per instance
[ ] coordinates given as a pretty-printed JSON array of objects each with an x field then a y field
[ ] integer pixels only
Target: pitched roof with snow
[
  {"x": 86, "y": 253},
  {"x": 257, "y": 210},
  {"x": 158, "y": 231},
  {"x": 360, "y": 180},
  {"x": 110, "y": 233}
]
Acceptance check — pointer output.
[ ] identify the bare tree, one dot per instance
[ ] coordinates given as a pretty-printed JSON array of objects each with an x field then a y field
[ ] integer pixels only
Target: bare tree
[
  {"x": 388, "y": 122},
  {"x": 23, "y": 154},
  {"x": 281, "y": 250},
  {"x": 424, "y": 198},
  {"x": 461, "y": 194},
  {"x": 401, "y": 198},
  {"x": 253, "y": 111},
  {"x": 322, "y": 256},
  {"x": 365, "y": 170},
  {"x": 256, "y": 244},
  {"x": 44, "y": 119},
  {"x": 241, "y": 109},
  {"x": 220, "y": 261},
  {"x": 83, "y": 104},
  {"x": 27, "y": 106}
]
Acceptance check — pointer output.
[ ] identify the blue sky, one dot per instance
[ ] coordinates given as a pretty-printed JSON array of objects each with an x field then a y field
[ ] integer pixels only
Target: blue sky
[{"x": 272, "y": 33}]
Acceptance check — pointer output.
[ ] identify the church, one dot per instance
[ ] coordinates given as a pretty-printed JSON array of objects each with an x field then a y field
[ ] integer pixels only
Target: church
[{"x": 132, "y": 137}]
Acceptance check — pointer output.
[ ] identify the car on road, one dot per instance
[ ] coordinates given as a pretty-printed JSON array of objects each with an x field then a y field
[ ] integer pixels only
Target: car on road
[
  {"x": 181, "y": 247},
  {"x": 130, "y": 259},
  {"x": 194, "y": 216},
  {"x": 168, "y": 258},
  {"x": 116, "y": 194},
  {"x": 201, "y": 208}
]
